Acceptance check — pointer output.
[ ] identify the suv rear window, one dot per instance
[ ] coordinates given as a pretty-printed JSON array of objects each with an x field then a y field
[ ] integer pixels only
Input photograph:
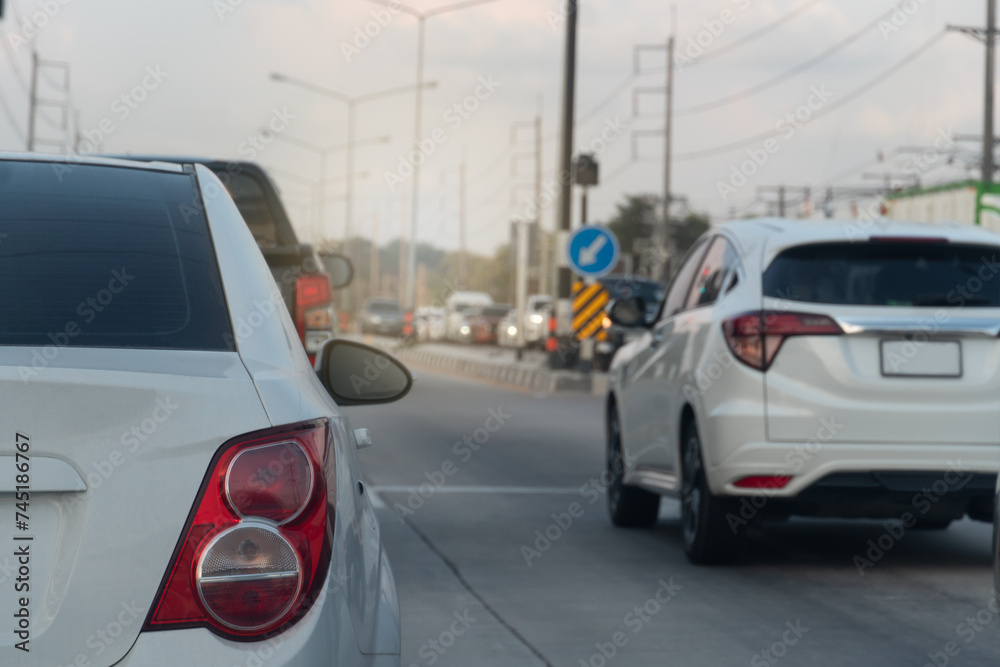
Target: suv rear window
[
  {"x": 887, "y": 274},
  {"x": 95, "y": 256}
]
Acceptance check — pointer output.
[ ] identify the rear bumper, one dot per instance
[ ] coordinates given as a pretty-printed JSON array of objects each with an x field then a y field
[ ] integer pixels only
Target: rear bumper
[
  {"x": 807, "y": 463},
  {"x": 324, "y": 636}
]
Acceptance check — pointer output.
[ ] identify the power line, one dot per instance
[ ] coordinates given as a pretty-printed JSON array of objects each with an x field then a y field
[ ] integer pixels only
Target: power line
[
  {"x": 493, "y": 165},
  {"x": 756, "y": 34},
  {"x": 708, "y": 152},
  {"x": 781, "y": 78}
]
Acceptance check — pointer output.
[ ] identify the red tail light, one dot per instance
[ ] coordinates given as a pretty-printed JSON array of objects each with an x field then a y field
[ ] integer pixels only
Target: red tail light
[
  {"x": 755, "y": 338},
  {"x": 763, "y": 482},
  {"x": 311, "y": 291},
  {"x": 313, "y": 311},
  {"x": 256, "y": 548}
]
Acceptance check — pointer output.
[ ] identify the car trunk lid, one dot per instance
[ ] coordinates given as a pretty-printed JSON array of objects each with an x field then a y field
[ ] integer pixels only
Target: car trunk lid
[
  {"x": 117, "y": 443},
  {"x": 919, "y": 357}
]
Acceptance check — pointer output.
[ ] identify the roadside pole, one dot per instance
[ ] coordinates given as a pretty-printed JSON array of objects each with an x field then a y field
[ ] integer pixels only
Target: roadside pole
[
  {"x": 521, "y": 285},
  {"x": 561, "y": 346}
]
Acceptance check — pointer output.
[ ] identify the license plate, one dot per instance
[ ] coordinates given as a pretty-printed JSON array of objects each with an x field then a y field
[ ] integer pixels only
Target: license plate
[{"x": 913, "y": 358}]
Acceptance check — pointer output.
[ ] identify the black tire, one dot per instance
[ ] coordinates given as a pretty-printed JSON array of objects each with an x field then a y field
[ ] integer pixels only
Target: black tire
[
  {"x": 708, "y": 537},
  {"x": 629, "y": 506}
]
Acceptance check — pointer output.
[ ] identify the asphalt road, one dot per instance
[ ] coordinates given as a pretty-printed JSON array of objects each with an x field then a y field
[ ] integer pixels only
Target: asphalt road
[{"x": 480, "y": 588}]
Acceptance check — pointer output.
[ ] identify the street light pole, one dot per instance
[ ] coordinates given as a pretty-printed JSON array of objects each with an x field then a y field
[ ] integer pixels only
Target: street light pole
[
  {"x": 411, "y": 264},
  {"x": 411, "y": 268},
  {"x": 352, "y": 104}
]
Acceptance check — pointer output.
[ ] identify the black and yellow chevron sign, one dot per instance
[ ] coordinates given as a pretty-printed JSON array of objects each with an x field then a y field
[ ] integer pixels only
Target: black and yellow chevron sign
[{"x": 588, "y": 308}]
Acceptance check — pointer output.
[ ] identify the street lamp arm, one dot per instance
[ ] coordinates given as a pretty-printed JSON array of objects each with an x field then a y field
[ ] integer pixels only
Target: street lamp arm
[
  {"x": 311, "y": 86},
  {"x": 457, "y": 5},
  {"x": 360, "y": 142},
  {"x": 394, "y": 91},
  {"x": 295, "y": 142},
  {"x": 403, "y": 8}
]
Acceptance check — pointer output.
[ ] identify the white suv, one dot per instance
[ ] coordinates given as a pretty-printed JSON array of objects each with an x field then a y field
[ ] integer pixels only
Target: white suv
[{"x": 819, "y": 369}]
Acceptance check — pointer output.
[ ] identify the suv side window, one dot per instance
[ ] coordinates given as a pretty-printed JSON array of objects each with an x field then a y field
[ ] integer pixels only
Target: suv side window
[
  {"x": 677, "y": 294},
  {"x": 709, "y": 281}
]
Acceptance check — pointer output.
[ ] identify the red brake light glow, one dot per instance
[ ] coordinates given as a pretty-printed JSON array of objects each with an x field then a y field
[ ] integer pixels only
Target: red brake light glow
[
  {"x": 755, "y": 338},
  {"x": 763, "y": 482},
  {"x": 256, "y": 548}
]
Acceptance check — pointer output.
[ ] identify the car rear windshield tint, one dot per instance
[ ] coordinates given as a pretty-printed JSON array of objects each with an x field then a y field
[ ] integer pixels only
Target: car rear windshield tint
[
  {"x": 95, "y": 256},
  {"x": 887, "y": 274}
]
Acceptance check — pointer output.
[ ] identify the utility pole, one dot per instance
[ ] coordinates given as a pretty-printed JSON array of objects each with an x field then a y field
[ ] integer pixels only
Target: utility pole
[
  {"x": 401, "y": 282},
  {"x": 662, "y": 237},
  {"x": 991, "y": 28},
  {"x": 563, "y": 307},
  {"x": 668, "y": 144},
  {"x": 544, "y": 252},
  {"x": 988, "y": 37},
  {"x": 803, "y": 194},
  {"x": 373, "y": 261},
  {"x": 33, "y": 101},
  {"x": 532, "y": 212},
  {"x": 521, "y": 283},
  {"x": 462, "y": 222}
]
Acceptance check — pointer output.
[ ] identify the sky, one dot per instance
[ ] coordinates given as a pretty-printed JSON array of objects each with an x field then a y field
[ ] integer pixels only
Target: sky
[{"x": 193, "y": 77}]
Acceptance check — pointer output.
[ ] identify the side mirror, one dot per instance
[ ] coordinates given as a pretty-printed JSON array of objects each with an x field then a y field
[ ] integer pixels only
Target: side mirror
[
  {"x": 629, "y": 312},
  {"x": 340, "y": 270},
  {"x": 357, "y": 374}
]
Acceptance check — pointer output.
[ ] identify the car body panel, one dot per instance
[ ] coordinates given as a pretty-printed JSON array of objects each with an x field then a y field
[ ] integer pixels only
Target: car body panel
[{"x": 141, "y": 427}]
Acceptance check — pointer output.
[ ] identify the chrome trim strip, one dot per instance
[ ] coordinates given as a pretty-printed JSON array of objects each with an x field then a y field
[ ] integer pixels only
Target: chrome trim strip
[{"x": 981, "y": 326}]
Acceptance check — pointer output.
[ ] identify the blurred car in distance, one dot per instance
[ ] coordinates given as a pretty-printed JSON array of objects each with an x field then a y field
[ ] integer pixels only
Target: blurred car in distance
[
  {"x": 536, "y": 321},
  {"x": 483, "y": 321},
  {"x": 456, "y": 305},
  {"x": 241, "y": 505},
  {"x": 381, "y": 315},
  {"x": 431, "y": 323},
  {"x": 838, "y": 378}
]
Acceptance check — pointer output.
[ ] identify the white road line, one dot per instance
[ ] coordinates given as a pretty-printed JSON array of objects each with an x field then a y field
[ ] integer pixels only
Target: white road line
[
  {"x": 498, "y": 490},
  {"x": 375, "y": 499}
]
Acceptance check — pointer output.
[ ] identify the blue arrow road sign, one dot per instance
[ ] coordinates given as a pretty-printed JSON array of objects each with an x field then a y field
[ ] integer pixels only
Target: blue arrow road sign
[{"x": 593, "y": 251}]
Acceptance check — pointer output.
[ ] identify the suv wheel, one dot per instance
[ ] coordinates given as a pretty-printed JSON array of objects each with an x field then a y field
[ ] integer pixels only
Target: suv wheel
[
  {"x": 629, "y": 506},
  {"x": 708, "y": 537}
]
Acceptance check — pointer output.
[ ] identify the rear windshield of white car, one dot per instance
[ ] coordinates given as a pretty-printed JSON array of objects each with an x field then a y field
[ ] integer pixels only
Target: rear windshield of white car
[
  {"x": 904, "y": 274},
  {"x": 95, "y": 256}
]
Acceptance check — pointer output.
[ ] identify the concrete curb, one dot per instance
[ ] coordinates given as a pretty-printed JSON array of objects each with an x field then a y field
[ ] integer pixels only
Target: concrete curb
[{"x": 518, "y": 376}]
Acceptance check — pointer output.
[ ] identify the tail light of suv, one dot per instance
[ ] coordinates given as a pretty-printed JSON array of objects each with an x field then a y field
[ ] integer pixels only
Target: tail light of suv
[
  {"x": 755, "y": 338},
  {"x": 256, "y": 548},
  {"x": 313, "y": 310}
]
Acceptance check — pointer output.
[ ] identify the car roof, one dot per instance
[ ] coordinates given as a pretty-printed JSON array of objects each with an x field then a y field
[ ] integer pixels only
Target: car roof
[
  {"x": 777, "y": 234},
  {"x": 96, "y": 160},
  {"x": 851, "y": 230}
]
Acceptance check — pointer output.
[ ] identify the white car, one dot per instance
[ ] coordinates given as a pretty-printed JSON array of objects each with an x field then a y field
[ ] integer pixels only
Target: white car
[
  {"x": 177, "y": 484},
  {"x": 812, "y": 368},
  {"x": 458, "y": 306}
]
